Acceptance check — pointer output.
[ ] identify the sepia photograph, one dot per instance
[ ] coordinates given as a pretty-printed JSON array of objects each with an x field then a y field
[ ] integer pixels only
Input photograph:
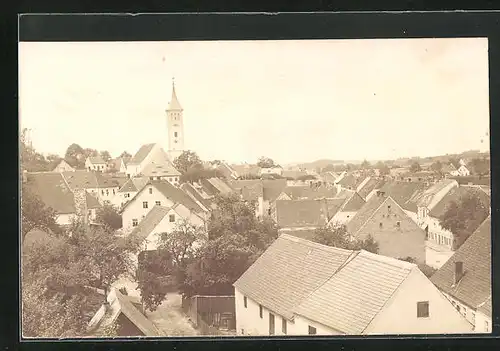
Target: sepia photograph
[{"x": 254, "y": 188}]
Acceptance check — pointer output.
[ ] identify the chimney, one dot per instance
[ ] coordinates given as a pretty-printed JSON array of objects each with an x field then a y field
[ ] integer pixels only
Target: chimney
[
  {"x": 80, "y": 198},
  {"x": 25, "y": 176},
  {"x": 459, "y": 272}
]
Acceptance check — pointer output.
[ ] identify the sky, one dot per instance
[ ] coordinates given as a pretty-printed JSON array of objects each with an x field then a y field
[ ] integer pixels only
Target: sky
[{"x": 293, "y": 101}]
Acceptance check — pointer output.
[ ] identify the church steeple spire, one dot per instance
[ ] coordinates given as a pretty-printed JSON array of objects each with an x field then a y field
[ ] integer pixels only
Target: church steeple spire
[{"x": 174, "y": 102}]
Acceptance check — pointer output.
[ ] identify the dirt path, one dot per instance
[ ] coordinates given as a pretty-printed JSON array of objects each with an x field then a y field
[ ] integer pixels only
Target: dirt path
[{"x": 170, "y": 318}]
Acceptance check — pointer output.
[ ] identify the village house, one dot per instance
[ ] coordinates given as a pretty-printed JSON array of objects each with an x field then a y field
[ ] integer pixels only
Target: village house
[
  {"x": 95, "y": 163},
  {"x": 441, "y": 242},
  {"x": 158, "y": 193},
  {"x": 352, "y": 202},
  {"x": 448, "y": 169},
  {"x": 297, "y": 287},
  {"x": 395, "y": 232},
  {"x": 153, "y": 162},
  {"x": 349, "y": 182},
  {"x": 329, "y": 177},
  {"x": 227, "y": 171},
  {"x": 211, "y": 312},
  {"x": 252, "y": 192},
  {"x": 128, "y": 190},
  {"x": 205, "y": 203},
  {"x": 246, "y": 171},
  {"x": 103, "y": 187},
  {"x": 465, "y": 279},
  {"x": 126, "y": 314},
  {"x": 301, "y": 217},
  {"x": 163, "y": 219},
  {"x": 405, "y": 194},
  {"x": 118, "y": 165},
  {"x": 370, "y": 187},
  {"x": 55, "y": 193},
  {"x": 429, "y": 198},
  {"x": 293, "y": 174},
  {"x": 63, "y": 166}
]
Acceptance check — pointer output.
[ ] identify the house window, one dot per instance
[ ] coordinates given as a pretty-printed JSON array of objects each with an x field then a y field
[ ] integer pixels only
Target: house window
[
  {"x": 158, "y": 203},
  {"x": 113, "y": 191},
  {"x": 486, "y": 326},
  {"x": 423, "y": 309},
  {"x": 260, "y": 311},
  {"x": 458, "y": 307},
  {"x": 135, "y": 223},
  {"x": 107, "y": 192},
  {"x": 283, "y": 325},
  {"x": 271, "y": 324},
  {"x": 242, "y": 331},
  {"x": 465, "y": 311},
  {"x": 473, "y": 317},
  {"x": 150, "y": 190},
  {"x": 176, "y": 179},
  {"x": 145, "y": 204},
  {"x": 269, "y": 211},
  {"x": 175, "y": 134},
  {"x": 312, "y": 331},
  {"x": 380, "y": 225},
  {"x": 245, "y": 301},
  {"x": 171, "y": 218},
  {"x": 398, "y": 224},
  {"x": 389, "y": 207},
  {"x": 102, "y": 192}
]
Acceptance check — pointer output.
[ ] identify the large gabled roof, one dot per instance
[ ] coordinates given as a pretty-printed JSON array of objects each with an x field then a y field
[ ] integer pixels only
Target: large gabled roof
[
  {"x": 97, "y": 160},
  {"x": 475, "y": 286},
  {"x": 81, "y": 179},
  {"x": 355, "y": 294},
  {"x": 163, "y": 169},
  {"x": 301, "y": 213},
  {"x": 365, "y": 213},
  {"x": 149, "y": 223},
  {"x": 288, "y": 271},
  {"x": 52, "y": 190},
  {"x": 454, "y": 195},
  {"x": 141, "y": 154},
  {"x": 404, "y": 193}
]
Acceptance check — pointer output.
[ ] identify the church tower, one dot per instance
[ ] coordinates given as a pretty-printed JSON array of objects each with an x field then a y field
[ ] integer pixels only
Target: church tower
[{"x": 175, "y": 126}]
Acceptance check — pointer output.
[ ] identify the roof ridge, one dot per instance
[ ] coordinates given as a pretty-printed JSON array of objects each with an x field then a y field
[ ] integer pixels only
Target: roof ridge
[
  {"x": 312, "y": 243},
  {"x": 388, "y": 260}
]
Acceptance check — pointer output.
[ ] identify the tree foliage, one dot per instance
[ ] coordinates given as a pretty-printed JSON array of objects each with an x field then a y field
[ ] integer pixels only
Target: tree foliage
[
  {"x": 196, "y": 174},
  {"x": 265, "y": 162},
  {"x": 57, "y": 277},
  {"x": 480, "y": 166},
  {"x": 463, "y": 217},
  {"x": 437, "y": 167},
  {"x": 383, "y": 168},
  {"x": 188, "y": 160},
  {"x": 30, "y": 159},
  {"x": 365, "y": 165},
  {"x": 125, "y": 154},
  {"x": 415, "y": 167},
  {"x": 35, "y": 215},
  {"x": 236, "y": 240},
  {"x": 105, "y": 155},
  {"x": 108, "y": 215},
  {"x": 337, "y": 236}
]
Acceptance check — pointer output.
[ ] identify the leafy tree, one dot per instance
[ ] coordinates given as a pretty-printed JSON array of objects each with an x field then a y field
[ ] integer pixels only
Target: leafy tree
[
  {"x": 462, "y": 218},
  {"x": 196, "y": 174},
  {"x": 437, "y": 167},
  {"x": 52, "y": 161},
  {"x": 125, "y": 154},
  {"x": 236, "y": 240},
  {"x": 188, "y": 160},
  {"x": 30, "y": 159},
  {"x": 155, "y": 276},
  {"x": 75, "y": 156},
  {"x": 337, "y": 236},
  {"x": 480, "y": 166},
  {"x": 415, "y": 167},
  {"x": 365, "y": 165},
  {"x": 109, "y": 216},
  {"x": 35, "y": 215},
  {"x": 265, "y": 162},
  {"x": 105, "y": 155}
]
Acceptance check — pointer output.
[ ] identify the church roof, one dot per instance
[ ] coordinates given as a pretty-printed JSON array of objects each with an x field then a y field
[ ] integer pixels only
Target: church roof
[{"x": 174, "y": 102}]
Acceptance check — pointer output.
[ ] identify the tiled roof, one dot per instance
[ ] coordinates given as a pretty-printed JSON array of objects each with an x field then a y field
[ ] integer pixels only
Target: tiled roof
[
  {"x": 371, "y": 185},
  {"x": 108, "y": 181},
  {"x": 149, "y": 223},
  {"x": 273, "y": 188},
  {"x": 81, "y": 179},
  {"x": 454, "y": 195},
  {"x": 189, "y": 189},
  {"x": 426, "y": 197},
  {"x": 307, "y": 192},
  {"x": 141, "y": 154},
  {"x": 345, "y": 193},
  {"x": 349, "y": 181},
  {"x": 220, "y": 185},
  {"x": 307, "y": 234},
  {"x": 240, "y": 184},
  {"x": 300, "y": 213},
  {"x": 176, "y": 195},
  {"x": 404, "y": 193},
  {"x": 475, "y": 286},
  {"x": 164, "y": 169},
  {"x": 334, "y": 205},
  {"x": 354, "y": 203},
  {"x": 352, "y": 297},
  {"x": 362, "y": 216},
  {"x": 208, "y": 187},
  {"x": 53, "y": 191},
  {"x": 288, "y": 271},
  {"x": 485, "y": 308},
  {"x": 97, "y": 160},
  {"x": 242, "y": 170},
  {"x": 134, "y": 184}
]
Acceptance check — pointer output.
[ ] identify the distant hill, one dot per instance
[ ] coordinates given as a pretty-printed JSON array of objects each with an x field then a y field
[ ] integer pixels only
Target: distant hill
[{"x": 315, "y": 164}]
